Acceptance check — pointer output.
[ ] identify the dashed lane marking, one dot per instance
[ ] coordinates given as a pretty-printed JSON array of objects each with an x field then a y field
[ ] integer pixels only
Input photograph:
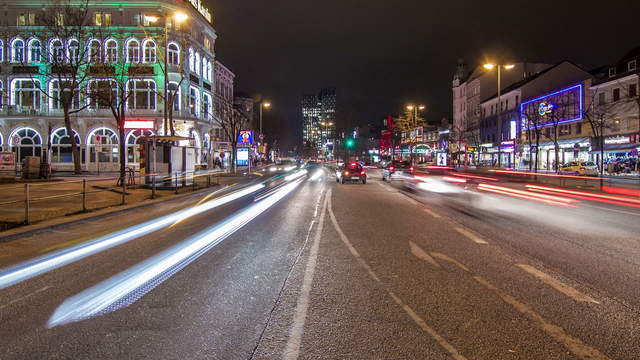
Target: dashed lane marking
[
  {"x": 23, "y": 297},
  {"x": 433, "y": 214},
  {"x": 471, "y": 236},
  {"x": 410, "y": 312},
  {"x": 556, "y": 284},
  {"x": 421, "y": 254}
]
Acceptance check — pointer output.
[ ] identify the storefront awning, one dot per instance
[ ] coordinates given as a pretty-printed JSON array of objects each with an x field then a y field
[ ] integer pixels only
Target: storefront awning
[
  {"x": 616, "y": 147},
  {"x": 564, "y": 143}
]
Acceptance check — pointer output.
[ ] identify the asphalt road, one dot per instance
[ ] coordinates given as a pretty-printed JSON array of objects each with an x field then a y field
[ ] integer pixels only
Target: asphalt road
[{"x": 347, "y": 272}]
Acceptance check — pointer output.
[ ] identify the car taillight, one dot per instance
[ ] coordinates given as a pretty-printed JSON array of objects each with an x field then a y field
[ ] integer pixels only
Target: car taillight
[
  {"x": 346, "y": 173},
  {"x": 411, "y": 168},
  {"x": 391, "y": 168},
  {"x": 362, "y": 172}
]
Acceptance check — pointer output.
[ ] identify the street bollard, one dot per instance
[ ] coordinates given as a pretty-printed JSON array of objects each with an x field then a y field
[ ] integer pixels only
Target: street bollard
[
  {"x": 26, "y": 204},
  {"x": 84, "y": 195},
  {"x": 194, "y": 182},
  {"x": 208, "y": 180},
  {"x": 176, "y": 182},
  {"x": 153, "y": 186}
]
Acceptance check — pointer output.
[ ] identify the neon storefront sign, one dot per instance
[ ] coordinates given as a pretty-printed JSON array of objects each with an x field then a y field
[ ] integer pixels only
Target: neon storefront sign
[{"x": 567, "y": 103}]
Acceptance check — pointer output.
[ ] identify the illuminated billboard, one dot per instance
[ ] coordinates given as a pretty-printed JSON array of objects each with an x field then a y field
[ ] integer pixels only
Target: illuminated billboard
[
  {"x": 245, "y": 137},
  {"x": 560, "y": 107}
]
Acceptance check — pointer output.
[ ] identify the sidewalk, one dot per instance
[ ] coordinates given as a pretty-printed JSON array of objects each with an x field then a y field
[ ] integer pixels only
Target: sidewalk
[{"x": 72, "y": 195}]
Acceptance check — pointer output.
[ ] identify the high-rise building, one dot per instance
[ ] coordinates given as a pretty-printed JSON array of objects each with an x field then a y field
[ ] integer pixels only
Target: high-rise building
[{"x": 319, "y": 120}]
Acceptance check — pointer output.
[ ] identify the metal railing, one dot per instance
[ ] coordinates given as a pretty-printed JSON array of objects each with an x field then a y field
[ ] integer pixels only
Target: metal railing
[{"x": 31, "y": 202}]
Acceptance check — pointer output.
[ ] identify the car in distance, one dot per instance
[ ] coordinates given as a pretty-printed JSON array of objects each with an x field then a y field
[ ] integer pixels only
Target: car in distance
[
  {"x": 397, "y": 168},
  {"x": 350, "y": 172},
  {"x": 580, "y": 168}
]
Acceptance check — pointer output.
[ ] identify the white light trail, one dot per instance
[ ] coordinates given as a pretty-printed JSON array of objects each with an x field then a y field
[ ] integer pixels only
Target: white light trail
[
  {"x": 127, "y": 287},
  {"x": 46, "y": 263},
  {"x": 317, "y": 175},
  {"x": 295, "y": 175}
]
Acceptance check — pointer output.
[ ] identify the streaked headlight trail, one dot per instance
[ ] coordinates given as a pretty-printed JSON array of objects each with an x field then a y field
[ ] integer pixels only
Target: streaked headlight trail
[
  {"x": 127, "y": 287},
  {"x": 46, "y": 263}
]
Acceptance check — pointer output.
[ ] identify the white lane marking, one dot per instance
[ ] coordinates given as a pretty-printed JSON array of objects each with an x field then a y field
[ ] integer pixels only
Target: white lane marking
[
  {"x": 412, "y": 314},
  {"x": 453, "y": 261},
  {"x": 413, "y": 201},
  {"x": 386, "y": 187},
  {"x": 292, "y": 350},
  {"x": 421, "y": 254},
  {"x": 608, "y": 209},
  {"x": 24, "y": 297},
  {"x": 433, "y": 214},
  {"x": 556, "y": 284},
  {"x": 573, "y": 344},
  {"x": 471, "y": 236}
]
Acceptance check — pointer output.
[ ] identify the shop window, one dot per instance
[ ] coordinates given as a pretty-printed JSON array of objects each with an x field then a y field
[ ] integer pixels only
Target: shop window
[
  {"x": 26, "y": 142},
  {"x": 61, "y": 146},
  {"x": 58, "y": 91},
  {"x": 103, "y": 146},
  {"x": 133, "y": 144}
]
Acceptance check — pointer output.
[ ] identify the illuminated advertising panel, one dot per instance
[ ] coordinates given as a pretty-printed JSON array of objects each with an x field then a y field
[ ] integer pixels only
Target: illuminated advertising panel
[
  {"x": 242, "y": 157},
  {"x": 245, "y": 137},
  {"x": 560, "y": 107}
]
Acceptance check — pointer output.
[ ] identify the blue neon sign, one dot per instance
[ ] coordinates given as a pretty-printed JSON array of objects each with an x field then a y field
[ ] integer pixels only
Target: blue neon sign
[{"x": 570, "y": 98}]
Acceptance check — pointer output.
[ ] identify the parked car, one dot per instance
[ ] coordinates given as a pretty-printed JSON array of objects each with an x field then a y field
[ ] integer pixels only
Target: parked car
[
  {"x": 351, "y": 171},
  {"x": 580, "y": 168},
  {"x": 397, "y": 168}
]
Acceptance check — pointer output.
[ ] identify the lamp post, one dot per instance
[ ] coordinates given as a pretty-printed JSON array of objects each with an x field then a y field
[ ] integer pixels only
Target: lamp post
[
  {"x": 413, "y": 125},
  {"x": 490, "y": 66},
  {"x": 265, "y": 105}
]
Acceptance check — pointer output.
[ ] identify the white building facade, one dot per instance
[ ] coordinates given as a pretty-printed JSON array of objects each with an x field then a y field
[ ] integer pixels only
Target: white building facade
[{"x": 138, "y": 34}]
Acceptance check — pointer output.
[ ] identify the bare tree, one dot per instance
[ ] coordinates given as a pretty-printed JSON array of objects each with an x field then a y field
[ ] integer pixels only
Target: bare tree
[
  {"x": 67, "y": 30},
  {"x": 532, "y": 124},
  {"x": 176, "y": 69},
  {"x": 597, "y": 113},
  {"x": 232, "y": 119}
]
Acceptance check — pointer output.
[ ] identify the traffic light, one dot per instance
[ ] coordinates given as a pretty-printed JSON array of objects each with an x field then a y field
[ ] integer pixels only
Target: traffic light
[{"x": 350, "y": 143}]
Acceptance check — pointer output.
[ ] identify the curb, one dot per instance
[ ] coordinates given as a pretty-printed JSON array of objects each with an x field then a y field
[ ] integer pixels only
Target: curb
[{"x": 14, "y": 234}]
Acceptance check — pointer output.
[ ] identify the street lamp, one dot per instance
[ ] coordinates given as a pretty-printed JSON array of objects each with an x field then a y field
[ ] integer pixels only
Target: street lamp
[
  {"x": 265, "y": 105},
  {"x": 490, "y": 66},
  {"x": 413, "y": 125}
]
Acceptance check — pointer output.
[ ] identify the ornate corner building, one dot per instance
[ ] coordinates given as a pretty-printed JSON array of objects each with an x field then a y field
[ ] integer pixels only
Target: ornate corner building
[{"x": 143, "y": 37}]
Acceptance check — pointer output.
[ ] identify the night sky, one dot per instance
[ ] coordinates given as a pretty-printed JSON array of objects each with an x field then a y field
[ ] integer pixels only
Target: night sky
[{"x": 382, "y": 54}]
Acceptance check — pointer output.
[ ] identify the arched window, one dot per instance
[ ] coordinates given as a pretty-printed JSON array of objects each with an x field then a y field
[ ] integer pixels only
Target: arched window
[
  {"x": 192, "y": 61},
  {"x": 111, "y": 51},
  {"x": 103, "y": 146},
  {"x": 174, "y": 90},
  {"x": 142, "y": 94},
  {"x": 93, "y": 55},
  {"x": 17, "y": 50},
  {"x": 25, "y": 93},
  {"x": 198, "y": 64},
  {"x": 209, "y": 70},
  {"x": 35, "y": 51},
  {"x": 103, "y": 94},
  {"x": 56, "y": 51},
  {"x": 149, "y": 47},
  {"x": 61, "y": 146},
  {"x": 1, "y": 142},
  {"x": 133, "y": 51},
  {"x": 57, "y": 93},
  {"x": 194, "y": 99},
  {"x": 133, "y": 144},
  {"x": 206, "y": 105},
  {"x": 73, "y": 51},
  {"x": 26, "y": 142},
  {"x": 173, "y": 54},
  {"x": 1, "y": 51}
]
